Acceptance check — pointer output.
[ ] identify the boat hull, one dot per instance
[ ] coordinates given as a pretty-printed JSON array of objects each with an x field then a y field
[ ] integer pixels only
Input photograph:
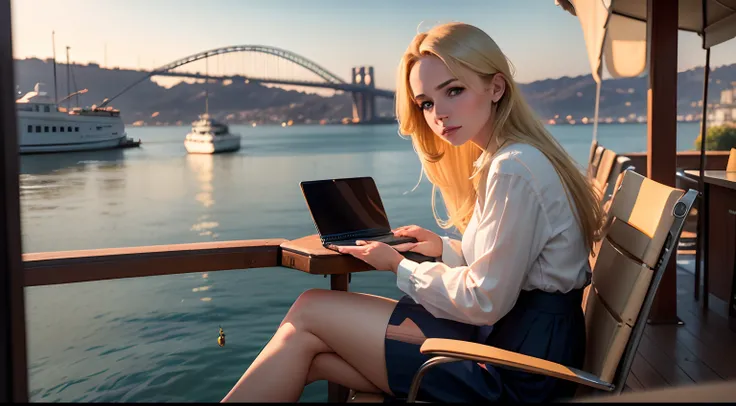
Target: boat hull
[
  {"x": 72, "y": 147},
  {"x": 230, "y": 144},
  {"x": 45, "y": 132}
]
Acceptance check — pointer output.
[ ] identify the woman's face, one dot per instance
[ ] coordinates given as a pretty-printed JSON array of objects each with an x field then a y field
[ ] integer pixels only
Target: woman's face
[{"x": 453, "y": 109}]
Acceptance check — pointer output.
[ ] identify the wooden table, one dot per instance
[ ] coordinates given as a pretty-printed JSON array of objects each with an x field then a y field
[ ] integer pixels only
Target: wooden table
[
  {"x": 308, "y": 255},
  {"x": 718, "y": 242}
]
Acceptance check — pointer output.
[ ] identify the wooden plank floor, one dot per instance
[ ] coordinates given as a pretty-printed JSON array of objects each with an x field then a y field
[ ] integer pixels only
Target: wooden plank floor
[{"x": 701, "y": 350}]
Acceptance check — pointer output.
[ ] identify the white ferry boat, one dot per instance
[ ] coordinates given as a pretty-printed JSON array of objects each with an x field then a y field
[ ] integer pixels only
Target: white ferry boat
[
  {"x": 208, "y": 136},
  {"x": 44, "y": 127}
]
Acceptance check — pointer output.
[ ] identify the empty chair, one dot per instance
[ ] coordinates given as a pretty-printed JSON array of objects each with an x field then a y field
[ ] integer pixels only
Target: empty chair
[
  {"x": 605, "y": 165},
  {"x": 595, "y": 161},
  {"x": 591, "y": 155},
  {"x": 621, "y": 164}
]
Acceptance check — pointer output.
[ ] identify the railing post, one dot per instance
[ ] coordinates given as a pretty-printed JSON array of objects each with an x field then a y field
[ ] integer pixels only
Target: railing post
[{"x": 13, "y": 370}]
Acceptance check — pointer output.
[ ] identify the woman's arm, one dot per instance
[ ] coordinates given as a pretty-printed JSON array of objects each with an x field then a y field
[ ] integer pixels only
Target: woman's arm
[
  {"x": 452, "y": 252},
  {"x": 511, "y": 233}
]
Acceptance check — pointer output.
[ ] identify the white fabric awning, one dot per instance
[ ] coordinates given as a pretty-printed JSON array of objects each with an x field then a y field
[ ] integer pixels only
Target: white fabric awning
[{"x": 615, "y": 31}]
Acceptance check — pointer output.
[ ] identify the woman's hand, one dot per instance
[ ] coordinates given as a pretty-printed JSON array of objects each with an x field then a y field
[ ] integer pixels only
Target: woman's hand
[
  {"x": 376, "y": 254},
  {"x": 428, "y": 243}
]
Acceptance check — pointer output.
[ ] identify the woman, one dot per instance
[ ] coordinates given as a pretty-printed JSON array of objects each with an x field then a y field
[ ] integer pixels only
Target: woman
[{"x": 528, "y": 218}]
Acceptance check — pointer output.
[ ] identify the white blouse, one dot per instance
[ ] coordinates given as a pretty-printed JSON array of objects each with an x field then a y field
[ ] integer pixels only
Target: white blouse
[{"x": 522, "y": 235}]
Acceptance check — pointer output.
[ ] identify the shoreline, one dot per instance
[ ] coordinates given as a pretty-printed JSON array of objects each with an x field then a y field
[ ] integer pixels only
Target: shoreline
[{"x": 376, "y": 124}]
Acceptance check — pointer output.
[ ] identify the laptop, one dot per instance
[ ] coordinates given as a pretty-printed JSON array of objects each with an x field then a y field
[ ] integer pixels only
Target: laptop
[{"x": 348, "y": 209}]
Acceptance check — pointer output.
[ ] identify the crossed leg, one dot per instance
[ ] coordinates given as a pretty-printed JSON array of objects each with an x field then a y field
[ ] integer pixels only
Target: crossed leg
[
  {"x": 328, "y": 366},
  {"x": 333, "y": 335}
]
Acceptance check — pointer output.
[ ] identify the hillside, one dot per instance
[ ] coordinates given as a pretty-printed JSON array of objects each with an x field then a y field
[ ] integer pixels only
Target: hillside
[
  {"x": 151, "y": 104},
  {"x": 576, "y": 96}
]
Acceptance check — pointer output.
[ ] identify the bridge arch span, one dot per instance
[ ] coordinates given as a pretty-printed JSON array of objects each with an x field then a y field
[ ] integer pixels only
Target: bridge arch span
[
  {"x": 281, "y": 53},
  {"x": 313, "y": 67}
]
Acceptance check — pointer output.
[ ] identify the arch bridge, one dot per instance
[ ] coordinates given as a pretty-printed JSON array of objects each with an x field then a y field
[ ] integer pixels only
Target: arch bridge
[{"x": 361, "y": 85}]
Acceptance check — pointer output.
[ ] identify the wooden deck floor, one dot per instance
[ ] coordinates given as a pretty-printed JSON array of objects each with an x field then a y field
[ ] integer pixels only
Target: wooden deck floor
[{"x": 702, "y": 350}]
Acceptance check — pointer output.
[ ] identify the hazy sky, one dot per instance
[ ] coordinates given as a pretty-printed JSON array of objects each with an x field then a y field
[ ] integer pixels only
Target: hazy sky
[{"x": 540, "y": 39}]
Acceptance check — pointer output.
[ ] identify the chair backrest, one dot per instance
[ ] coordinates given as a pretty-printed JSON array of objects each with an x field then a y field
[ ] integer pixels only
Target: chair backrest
[
  {"x": 646, "y": 220},
  {"x": 595, "y": 159},
  {"x": 621, "y": 164},
  {"x": 591, "y": 155},
  {"x": 605, "y": 165}
]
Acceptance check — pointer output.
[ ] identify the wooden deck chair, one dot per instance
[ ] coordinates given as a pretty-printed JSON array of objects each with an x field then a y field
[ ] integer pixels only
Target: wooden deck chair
[
  {"x": 621, "y": 164},
  {"x": 647, "y": 219},
  {"x": 615, "y": 177},
  {"x": 591, "y": 155},
  {"x": 594, "y": 161},
  {"x": 603, "y": 171}
]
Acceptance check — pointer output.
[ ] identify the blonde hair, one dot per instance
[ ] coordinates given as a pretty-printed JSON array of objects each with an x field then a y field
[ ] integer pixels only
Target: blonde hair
[{"x": 455, "y": 170}]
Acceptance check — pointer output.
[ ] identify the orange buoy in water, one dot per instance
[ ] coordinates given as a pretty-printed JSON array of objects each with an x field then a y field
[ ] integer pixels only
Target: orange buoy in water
[{"x": 221, "y": 338}]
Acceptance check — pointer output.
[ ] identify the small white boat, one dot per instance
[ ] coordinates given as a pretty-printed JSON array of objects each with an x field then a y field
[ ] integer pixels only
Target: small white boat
[{"x": 209, "y": 136}]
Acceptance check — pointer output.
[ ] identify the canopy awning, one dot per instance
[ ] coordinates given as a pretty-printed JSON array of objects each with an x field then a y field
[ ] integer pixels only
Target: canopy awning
[{"x": 616, "y": 30}]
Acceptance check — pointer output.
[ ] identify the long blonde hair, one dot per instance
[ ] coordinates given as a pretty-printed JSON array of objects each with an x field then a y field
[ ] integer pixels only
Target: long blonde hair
[{"x": 455, "y": 170}]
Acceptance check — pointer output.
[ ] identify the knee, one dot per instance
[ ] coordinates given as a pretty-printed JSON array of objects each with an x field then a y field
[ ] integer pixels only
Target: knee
[
  {"x": 306, "y": 306},
  {"x": 290, "y": 335}
]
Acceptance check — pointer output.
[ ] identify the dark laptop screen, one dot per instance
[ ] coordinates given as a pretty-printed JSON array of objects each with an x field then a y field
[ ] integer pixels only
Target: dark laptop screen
[{"x": 345, "y": 205}]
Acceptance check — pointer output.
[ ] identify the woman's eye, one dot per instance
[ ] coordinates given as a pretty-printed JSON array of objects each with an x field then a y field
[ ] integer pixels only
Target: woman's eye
[
  {"x": 455, "y": 91},
  {"x": 425, "y": 105}
]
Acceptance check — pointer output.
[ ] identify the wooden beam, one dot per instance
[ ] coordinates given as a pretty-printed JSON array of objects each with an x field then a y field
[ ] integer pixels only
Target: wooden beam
[
  {"x": 715, "y": 160},
  {"x": 50, "y": 268},
  {"x": 13, "y": 370},
  {"x": 662, "y": 26}
]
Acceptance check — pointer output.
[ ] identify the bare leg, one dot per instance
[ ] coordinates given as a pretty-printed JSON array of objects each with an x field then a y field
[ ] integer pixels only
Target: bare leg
[
  {"x": 351, "y": 325},
  {"x": 328, "y": 366}
]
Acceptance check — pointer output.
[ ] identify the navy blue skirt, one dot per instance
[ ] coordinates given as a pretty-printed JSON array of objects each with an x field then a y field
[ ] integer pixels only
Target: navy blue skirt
[{"x": 545, "y": 325}]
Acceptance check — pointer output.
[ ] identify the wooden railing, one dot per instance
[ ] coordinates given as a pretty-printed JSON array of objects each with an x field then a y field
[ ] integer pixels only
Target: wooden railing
[
  {"x": 50, "y": 268},
  {"x": 305, "y": 254},
  {"x": 714, "y": 160}
]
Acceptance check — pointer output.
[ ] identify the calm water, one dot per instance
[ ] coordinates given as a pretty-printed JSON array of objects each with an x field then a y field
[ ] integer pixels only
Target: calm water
[{"x": 154, "y": 339}]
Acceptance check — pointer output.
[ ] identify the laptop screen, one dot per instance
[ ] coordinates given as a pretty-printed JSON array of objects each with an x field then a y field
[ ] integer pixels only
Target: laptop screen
[{"x": 345, "y": 205}]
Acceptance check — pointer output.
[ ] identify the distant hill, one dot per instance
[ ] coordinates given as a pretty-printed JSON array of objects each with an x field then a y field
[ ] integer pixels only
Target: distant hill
[
  {"x": 576, "y": 96},
  {"x": 151, "y": 104}
]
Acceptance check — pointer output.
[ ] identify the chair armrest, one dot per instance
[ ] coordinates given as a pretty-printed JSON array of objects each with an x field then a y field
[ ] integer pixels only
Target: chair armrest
[
  {"x": 492, "y": 355},
  {"x": 681, "y": 175}
]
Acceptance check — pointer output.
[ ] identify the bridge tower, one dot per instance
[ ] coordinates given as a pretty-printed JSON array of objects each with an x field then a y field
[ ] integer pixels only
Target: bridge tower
[{"x": 364, "y": 103}]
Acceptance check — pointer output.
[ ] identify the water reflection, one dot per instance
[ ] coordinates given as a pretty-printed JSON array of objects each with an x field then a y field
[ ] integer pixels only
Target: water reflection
[
  {"x": 41, "y": 164},
  {"x": 47, "y": 177},
  {"x": 202, "y": 166}
]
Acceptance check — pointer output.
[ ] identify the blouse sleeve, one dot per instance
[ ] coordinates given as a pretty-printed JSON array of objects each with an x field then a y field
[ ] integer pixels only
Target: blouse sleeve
[
  {"x": 511, "y": 233},
  {"x": 452, "y": 254}
]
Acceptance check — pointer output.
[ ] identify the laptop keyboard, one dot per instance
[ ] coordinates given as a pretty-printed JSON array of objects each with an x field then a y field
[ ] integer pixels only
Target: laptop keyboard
[
  {"x": 390, "y": 239},
  {"x": 387, "y": 239}
]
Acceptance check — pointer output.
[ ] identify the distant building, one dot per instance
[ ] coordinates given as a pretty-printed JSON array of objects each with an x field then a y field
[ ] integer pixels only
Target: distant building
[{"x": 725, "y": 111}]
